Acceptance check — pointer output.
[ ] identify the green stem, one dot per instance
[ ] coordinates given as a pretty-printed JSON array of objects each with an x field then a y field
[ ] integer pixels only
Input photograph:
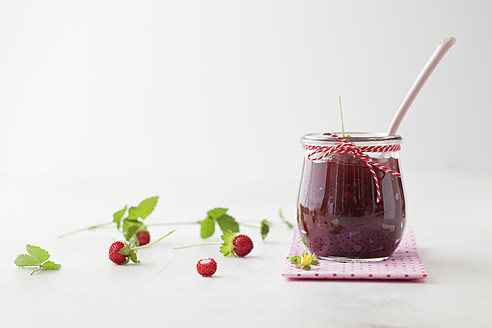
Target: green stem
[
  {"x": 341, "y": 115},
  {"x": 304, "y": 245},
  {"x": 152, "y": 243},
  {"x": 196, "y": 222},
  {"x": 36, "y": 270},
  {"x": 172, "y": 223},
  {"x": 84, "y": 229},
  {"x": 248, "y": 225},
  {"x": 290, "y": 225},
  {"x": 194, "y": 245}
]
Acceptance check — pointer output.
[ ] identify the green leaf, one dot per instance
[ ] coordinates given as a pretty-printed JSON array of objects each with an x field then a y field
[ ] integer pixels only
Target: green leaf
[
  {"x": 306, "y": 267},
  {"x": 144, "y": 208},
  {"x": 132, "y": 243},
  {"x": 38, "y": 253},
  {"x": 118, "y": 216},
  {"x": 125, "y": 251},
  {"x": 315, "y": 262},
  {"x": 49, "y": 265},
  {"x": 294, "y": 258},
  {"x": 265, "y": 228},
  {"x": 217, "y": 212},
  {"x": 35, "y": 259},
  {"x": 130, "y": 228},
  {"x": 207, "y": 228},
  {"x": 133, "y": 257},
  {"x": 25, "y": 260},
  {"x": 131, "y": 232},
  {"x": 227, "y": 246},
  {"x": 227, "y": 223}
]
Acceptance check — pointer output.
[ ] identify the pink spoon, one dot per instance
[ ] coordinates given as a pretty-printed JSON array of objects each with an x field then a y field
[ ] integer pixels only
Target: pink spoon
[{"x": 436, "y": 57}]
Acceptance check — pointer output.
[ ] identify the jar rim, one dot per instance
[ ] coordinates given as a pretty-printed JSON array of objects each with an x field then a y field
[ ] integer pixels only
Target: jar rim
[{"x": 355, "y": 137}]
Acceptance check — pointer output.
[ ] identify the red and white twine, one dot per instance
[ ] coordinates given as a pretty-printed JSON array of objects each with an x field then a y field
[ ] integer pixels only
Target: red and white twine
[{"x": 346, "y": 147}]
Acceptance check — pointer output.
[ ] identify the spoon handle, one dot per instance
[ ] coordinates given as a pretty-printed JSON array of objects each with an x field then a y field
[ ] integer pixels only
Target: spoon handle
[{"x": 436, "y": 57}]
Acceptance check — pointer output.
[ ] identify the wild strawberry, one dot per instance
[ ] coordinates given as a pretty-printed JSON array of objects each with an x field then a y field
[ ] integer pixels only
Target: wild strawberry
[
  {"x": 206, "y": 267},
  {"x": 115, "y": 255},
  {"x": 143, "y": 237},
  {"x": 243, "y": 245},
  {"x": 234, "y": 244}
]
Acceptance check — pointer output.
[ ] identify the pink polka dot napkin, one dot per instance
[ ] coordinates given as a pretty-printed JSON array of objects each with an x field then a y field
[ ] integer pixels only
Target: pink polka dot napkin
[{"x": 405, "y": 263}]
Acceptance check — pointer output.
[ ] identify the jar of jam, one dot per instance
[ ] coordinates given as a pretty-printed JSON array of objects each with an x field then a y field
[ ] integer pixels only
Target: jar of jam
[{"x": 351, "y": 204}]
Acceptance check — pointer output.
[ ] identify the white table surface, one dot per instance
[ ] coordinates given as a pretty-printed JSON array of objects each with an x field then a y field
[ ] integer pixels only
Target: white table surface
[{"x": 450, "y": 212}]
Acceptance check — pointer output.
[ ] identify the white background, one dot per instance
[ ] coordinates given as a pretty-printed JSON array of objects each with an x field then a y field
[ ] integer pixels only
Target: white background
[
  {"x": 190, "y": 90},
  {"x": 104, "y": 103}
]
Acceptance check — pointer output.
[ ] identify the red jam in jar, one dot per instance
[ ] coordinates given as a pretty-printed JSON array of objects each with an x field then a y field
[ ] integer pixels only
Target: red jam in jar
[{"x": 339, "y": 214}]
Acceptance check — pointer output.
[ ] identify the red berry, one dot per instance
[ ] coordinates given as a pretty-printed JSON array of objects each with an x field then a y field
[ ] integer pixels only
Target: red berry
[
  {"x": 143, "y": 238},
  {"x": 206, "y": 267},
  {"x": 243, "y": 245},
  {"x": 114, "y": 254}
]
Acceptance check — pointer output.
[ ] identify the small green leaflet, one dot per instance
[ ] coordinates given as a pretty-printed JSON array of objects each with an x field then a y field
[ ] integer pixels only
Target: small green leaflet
[
  {"x": 37, "y": 257},
  {"x": 125, "y": 250},
  {"x": 227, "y": 245},
  {"x": 118, "y": 216},
  {"x": 50, "y": 265},
  {"x": 207, "y": 228},
  {"x": 130, "y": 228},
  {"x": 38, "y": 253},
  {"x": 227, "y": 223},
  {"x": 26, "y": 260},
  {"x": 219, "y": 215},
  {"x": 133, "y": 257},
  {"x": 294, "y": 259},
  {"x": 132, "y": 244},
  {"x": 265, "y": 228},
  {"x": 217, "y": 212},
  {"x": 143, "y": 209}
]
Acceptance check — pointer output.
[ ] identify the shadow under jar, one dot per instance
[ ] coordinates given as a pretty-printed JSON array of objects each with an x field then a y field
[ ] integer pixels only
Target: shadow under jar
[{"x": 338, "y": 211}]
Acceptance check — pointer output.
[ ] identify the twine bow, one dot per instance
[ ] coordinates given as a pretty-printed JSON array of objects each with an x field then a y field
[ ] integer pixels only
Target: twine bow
[{"x": 346, "y": 147}]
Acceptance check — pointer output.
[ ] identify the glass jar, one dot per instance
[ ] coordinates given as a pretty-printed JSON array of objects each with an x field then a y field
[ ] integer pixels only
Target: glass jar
[{"x": 351, "y": 204}]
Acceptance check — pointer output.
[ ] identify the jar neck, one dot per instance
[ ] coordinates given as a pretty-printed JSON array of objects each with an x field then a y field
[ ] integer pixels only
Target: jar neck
[
  {"x": 360, "y": 139},
  {"x": 323, "y": 147}
]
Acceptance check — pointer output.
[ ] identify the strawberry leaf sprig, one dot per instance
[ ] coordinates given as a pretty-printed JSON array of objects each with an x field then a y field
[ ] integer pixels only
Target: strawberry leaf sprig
[
  {"x": 219, "y": 216},
  {"x": 38, "y": 258},
  {"x": 131, "y": 225},
  {"x": 130, "y": 222},
  {"x": 227, "y": 223},
  {"x": 305, "y": 260}
]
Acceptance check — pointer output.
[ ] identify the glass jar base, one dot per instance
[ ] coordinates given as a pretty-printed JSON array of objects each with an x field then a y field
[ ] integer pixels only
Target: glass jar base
[{"x": 353, "y": 260}]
